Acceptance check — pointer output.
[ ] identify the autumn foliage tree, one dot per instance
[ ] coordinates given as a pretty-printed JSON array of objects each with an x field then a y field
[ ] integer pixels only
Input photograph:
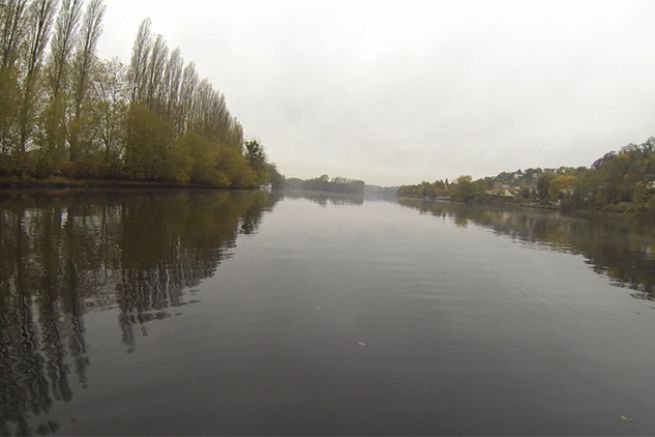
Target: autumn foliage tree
[{"x": 620, "y": 181}]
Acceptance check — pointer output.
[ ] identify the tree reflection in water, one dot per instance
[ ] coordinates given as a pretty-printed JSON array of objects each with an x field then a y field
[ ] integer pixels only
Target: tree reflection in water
[
  {"x": 323, "y": 198},
  {"x": 62, "y": 255},
  {"x": 620, "y": 247}
]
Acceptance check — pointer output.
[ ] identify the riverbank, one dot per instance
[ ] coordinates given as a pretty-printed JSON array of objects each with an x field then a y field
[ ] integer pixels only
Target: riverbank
[
  {"x": 59, "y": 182},
  {"x": 622, "y": 209}
]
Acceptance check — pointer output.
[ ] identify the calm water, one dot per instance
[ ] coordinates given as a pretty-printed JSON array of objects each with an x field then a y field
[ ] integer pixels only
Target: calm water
[{"x": 162, "y": 313}]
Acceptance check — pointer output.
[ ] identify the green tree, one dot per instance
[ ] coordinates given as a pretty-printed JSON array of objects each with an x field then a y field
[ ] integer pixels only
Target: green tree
[
  {"x": 257, "y": 160},
  {"x": 234, "y": 166},
  {"x": 80, "y": 130},
  {"x": 204, "y": 158},
  {"x": 463, "y": 190},
  {"x": 274, "y": 177},
  {"x": 148, "y": 140}
]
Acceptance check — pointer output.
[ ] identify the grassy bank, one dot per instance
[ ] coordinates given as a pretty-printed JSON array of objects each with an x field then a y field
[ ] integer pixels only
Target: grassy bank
[{"x": 59, "y": 182}]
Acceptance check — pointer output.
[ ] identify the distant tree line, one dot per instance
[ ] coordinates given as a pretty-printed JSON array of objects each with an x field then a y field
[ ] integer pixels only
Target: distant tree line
[
  {"x": 622, "y": 181},
  {"x": 327, "y": 184},
  {"x": 65, "y": 112},
  {"x": 380, "y": 192}
]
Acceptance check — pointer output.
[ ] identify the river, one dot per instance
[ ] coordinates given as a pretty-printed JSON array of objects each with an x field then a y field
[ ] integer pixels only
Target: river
[{"x": 206, "y": 312}]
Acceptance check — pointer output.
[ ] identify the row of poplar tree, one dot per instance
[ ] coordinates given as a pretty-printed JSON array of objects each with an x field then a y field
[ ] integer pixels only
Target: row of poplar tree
[{"x": 65, "y": 112}]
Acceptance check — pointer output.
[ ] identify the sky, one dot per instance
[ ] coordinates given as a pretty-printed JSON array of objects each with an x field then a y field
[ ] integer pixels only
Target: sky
[{"x": 397, "y": 92}]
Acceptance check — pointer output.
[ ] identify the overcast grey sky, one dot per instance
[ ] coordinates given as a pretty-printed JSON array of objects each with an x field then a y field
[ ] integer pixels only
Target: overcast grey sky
[{"x": 399, "y": 92}]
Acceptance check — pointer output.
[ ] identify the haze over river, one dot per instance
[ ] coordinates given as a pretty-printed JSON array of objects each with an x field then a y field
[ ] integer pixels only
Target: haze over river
[{"x": 207, "y": 312}]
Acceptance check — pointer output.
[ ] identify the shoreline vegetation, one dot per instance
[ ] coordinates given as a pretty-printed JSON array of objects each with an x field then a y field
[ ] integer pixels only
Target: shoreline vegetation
[
  {"x": 69, "y": 118},
  {"x": 61, "y": 182},
  {"x": 619, "y": 182}
]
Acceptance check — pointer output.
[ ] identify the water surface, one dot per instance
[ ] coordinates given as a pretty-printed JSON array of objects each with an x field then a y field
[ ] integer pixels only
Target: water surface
[{"x": 177, "y": 313}]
